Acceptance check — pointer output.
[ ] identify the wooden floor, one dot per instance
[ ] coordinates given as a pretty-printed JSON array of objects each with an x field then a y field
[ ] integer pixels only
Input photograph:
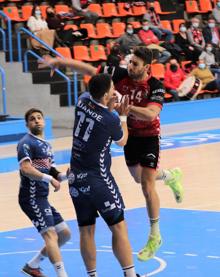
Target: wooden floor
[{"x": 200, "y": 165}]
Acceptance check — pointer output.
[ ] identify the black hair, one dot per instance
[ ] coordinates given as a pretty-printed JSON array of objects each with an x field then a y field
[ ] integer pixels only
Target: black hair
[
  {"x": 30, "y": 111},
  {"x": 144, "y": 54},
  {"x": 99, "y": 84}
]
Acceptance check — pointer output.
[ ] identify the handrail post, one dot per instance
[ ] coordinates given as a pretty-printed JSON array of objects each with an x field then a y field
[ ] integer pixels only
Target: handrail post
[
  {"x": 3, "y": 90},
  {"x": 19, "y": 46},
  {"x": 75, "y": 80},
  {"x": 10, "y": 46},
  {"x": 3, "y": 39}
]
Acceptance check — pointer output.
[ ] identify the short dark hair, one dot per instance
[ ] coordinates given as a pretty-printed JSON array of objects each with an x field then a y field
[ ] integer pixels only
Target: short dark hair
[
  {"x": 144, "y": 54},
  {"x": 99, "y": 84},
  {"x": 30, "y": 111}
]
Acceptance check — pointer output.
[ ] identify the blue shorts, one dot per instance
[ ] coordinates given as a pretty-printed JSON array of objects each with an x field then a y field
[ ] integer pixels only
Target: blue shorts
[
  {"x": 95, "y": 194},
  {"x": 41, "y": 213}
]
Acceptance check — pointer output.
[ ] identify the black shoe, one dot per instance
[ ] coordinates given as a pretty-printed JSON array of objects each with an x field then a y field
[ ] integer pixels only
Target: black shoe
[{"x": 34, "y": 272}]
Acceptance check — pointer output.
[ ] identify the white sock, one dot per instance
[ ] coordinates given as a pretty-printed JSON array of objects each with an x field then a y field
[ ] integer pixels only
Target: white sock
[
  {"x": 129, "y": 271},
  {"x": 60, "y": 270},
  {"x": 35, "y": 261},
  {"x": 92, "y": 273},
  {"x": 164, "y": 175},
  {"x": 155, "y": 228}
]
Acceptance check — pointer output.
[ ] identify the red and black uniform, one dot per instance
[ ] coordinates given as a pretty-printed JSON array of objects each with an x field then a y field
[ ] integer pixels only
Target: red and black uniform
[{"x": 143, "y": 142}]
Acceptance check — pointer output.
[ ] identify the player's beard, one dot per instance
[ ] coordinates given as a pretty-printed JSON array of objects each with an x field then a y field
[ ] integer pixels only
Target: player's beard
[
  {"x": 137, "y": 76},
  {"x": 37, "y": 131}
]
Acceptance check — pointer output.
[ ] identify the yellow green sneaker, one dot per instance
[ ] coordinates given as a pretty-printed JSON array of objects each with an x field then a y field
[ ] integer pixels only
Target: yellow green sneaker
[
  {"x": 149, "y": 250},
  {"x": 175, "y": 183}
]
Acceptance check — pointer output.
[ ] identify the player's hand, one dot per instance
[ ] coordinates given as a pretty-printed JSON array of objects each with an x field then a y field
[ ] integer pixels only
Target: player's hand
[
  {"x": 55, "y": 184},
  {"x": 124, "y": 107},
  {"x": 48, "y": 61}
]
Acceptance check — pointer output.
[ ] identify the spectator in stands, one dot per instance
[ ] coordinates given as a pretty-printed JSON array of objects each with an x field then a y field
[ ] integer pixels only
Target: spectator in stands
[
  {"x": 202, "y": 72},
  {"x": 216, "y": 12},
  {"x": 63, "y": 37},
  {"x": 128, "y": 40},
  {"x": 209, "y": 58},
  {"x": 173, "y": 77},
  {"x": 89, "y": 17},
  {"x": 195, "y": 35},
  {"x": 155, "y": 23},
  {"x": 163, "y": 54},
  {"x": 146, "y": 35},
  {"x": 212, "y": 35},
  {"x": 38, "y": 26},
  {"x": 190, "y": 52}
]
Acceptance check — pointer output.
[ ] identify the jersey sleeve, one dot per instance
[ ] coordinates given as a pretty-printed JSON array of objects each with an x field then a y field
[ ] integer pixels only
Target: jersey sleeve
[
  {"x": 118, "y": 73},
  {"x": 116, "y": 129},
  {"x": 24, "y": 151},
  {"x": 157, "y": 92}
]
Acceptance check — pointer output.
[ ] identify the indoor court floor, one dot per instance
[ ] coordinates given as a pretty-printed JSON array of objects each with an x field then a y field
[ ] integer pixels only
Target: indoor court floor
[{"x": 190, "y": 230}]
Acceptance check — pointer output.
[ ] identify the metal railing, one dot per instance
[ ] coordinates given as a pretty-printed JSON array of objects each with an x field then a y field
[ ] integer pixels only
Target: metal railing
[
  {"x": 9, "y": 29},
  {"x": 3, "y": 39},
  {"x": 30, "y": 52},
  {"x": 4, "y": 106},
  {"x": 24, "y": 30}
]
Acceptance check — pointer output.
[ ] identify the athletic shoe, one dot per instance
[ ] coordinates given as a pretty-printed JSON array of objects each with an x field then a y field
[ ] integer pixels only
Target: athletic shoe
[
  {"x": 175, "y": 183},
  {"x": 149, "y": 250},
  {"x": 34, "y": 272}
]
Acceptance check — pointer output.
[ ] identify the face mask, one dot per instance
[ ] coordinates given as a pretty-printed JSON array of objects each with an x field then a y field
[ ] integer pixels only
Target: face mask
[
  {"x": 130, "y": 32},
  {"x": 145, "y": 28},
  {"x": 183, "y": 29},
  {"x": 202, "y": 66},
  {"x": 209, "y": 49},
  {"x": 151, "y": 9},
  {"x": 173, "y": 67},
  {"x": 38, "y": 13},
  {"x": 195, "y": 24},
  {"x": 218, "y": 4},
  {"x": 211, "y": 25}
]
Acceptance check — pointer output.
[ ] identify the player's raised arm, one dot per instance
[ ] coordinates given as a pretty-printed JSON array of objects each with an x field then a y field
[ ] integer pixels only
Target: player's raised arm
[{"x": 78, "y": 66}]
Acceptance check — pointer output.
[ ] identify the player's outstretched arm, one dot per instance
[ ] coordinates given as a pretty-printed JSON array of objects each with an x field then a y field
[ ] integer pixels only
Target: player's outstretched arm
[
  {"x": 78, "y": 66},
  {"x": 29, "y": 171}
]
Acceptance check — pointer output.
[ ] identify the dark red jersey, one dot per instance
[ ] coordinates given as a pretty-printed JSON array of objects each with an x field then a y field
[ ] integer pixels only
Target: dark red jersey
[{"x": 141, "y": 94}]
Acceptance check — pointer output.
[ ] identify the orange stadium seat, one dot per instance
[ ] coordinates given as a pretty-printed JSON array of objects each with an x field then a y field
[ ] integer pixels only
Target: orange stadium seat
[
  {"x": 135, "y": 24},
  {"x": 64, "y": 51},
  {"x": 13, "y": 14},
  {"x": 98, "y": 52},
  {"x": 166, "y": 25},
  {"x": 158, "y": 9},
  {"x": 81, "y": 53},
  {"x": 122, "y": 12},
  {"x": 26, "y": 11},
  {"x": 90, "y": 29},
  {"x": 158, "y": 70},
  {"x": 118, "y": 28},
  {"x": 176, "y": 24},
  {"x": 205, "y": 5},
  {"x": 103, "y": 30},
  {"x": 192, "y": 7},
  {"x": 61, "y": 9},
  {"x": 109, "y": 10},
  {"x": 96, "y": 8},
  {"x": 139, "y": 10},
  {"x": 43, "y": 9}
]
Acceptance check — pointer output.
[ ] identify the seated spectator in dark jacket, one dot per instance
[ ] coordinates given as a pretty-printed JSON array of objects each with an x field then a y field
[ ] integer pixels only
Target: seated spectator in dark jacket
[
  {"x": 128, "y": 40},
  {"x": 155, "y": 23},
  {"x": 212, "y": 35},
  {"x": 195, "y": 35},
  {"x": 191, "y": 53},
  {"x": 63, "y": 37},
  {"x": 173, "y": 77}
]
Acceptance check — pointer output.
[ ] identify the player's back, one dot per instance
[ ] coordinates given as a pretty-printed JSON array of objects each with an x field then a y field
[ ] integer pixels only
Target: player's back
[{"x": 94, "y": 129}]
